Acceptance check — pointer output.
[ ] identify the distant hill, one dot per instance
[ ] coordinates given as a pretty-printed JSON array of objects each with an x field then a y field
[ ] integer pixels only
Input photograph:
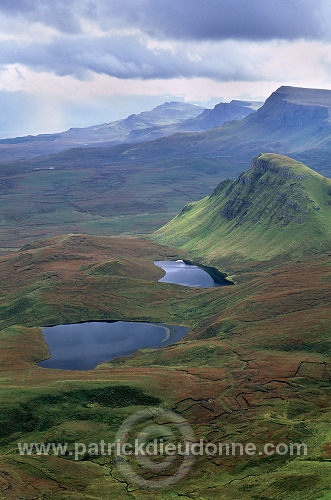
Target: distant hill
[
  {"x": 293, "y": 121},
  {"x": 162, "y": 121},
  {"x": 166, "y": 114},
  {"x": 221, "y": 113},
  {"x": 116, "y": 132},
  {"x": 209, "y": 118},
  {"x": 279, "y": 207}
]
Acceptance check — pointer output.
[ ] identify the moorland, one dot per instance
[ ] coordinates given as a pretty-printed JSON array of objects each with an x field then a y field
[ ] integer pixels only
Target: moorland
[{"x": 255, "y": 364}]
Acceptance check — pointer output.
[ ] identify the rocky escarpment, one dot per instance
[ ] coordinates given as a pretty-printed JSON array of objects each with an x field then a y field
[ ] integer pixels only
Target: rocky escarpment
[
  {"x": 264, "y": 194},
  {"x": 288, "y": 108}
]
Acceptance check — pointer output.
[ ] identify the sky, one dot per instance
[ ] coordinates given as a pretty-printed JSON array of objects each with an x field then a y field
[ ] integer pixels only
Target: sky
[{"x": 75, "y": 63}]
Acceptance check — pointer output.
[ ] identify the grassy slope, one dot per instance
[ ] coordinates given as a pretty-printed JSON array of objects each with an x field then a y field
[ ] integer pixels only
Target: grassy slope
[
  {"x": 254, "y": 368},
  {"x": 277, "y": 208}
]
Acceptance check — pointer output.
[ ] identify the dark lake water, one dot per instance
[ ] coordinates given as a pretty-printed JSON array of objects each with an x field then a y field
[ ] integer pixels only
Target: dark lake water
[
  {"x": 185, "y": 274},
  {"x": 82, "y": 346}
]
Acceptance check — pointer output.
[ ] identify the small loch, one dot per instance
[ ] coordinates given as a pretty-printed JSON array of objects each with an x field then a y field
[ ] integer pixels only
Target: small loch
[
  {"x": 188, "y": 274},
  {"x": 83, "y": 346}
]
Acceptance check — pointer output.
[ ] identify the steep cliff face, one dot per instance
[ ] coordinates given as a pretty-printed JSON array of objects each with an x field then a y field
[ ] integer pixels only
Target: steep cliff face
[
  {"x": 290, "y": 108},
  {"x": 279, "y": 207}
]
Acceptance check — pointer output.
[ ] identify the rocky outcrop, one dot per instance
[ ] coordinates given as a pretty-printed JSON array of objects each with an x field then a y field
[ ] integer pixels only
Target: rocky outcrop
[
  {"x": 263, "y": 194},
  {"x": 263, "y": 165}
]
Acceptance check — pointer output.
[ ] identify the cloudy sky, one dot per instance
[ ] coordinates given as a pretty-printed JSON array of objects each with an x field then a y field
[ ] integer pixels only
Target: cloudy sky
[{"x": 74, "y": 63}]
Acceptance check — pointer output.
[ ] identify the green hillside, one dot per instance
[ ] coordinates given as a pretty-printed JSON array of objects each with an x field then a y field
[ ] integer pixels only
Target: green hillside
[{"x": 279, "y": 207}]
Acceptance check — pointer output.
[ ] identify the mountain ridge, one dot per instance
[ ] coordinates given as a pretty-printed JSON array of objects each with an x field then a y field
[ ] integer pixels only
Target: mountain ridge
[
  {"x": 114, "y": 132},
  {"x": 279, "y": 208},
  {"x": 279, "y": 126},
  {"x": 162, "y": 121},
  {"x": 208, "y": 119}
]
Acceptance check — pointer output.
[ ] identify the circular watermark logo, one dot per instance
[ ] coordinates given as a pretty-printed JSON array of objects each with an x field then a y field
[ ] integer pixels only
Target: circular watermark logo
[{"x": 153, "y": 448}]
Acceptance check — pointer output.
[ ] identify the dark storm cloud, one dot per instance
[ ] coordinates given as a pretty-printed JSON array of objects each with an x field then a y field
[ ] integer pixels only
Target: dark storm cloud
[
  {"x": 200, "y": 31},
  {"x": 221, "y": 19},
  {"x": 183, "y": 19},
  {"x": 124, "y": 58},
  {"x": 64, "y": 15}
]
